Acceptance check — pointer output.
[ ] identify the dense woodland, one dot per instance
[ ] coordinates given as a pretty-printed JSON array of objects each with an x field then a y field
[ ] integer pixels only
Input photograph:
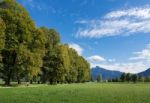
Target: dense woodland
[{"x": 35, "y": 54}]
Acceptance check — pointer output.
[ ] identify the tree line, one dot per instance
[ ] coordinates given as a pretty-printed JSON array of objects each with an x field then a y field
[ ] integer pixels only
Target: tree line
[
  {"x": 125, "y": 77},
  {"x": 128, "y": 77},
  {"x": 29, "y": 53}
]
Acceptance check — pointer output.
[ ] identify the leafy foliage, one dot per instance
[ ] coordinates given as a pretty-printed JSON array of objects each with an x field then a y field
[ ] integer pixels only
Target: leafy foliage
[{"x": 28, "y": 52}]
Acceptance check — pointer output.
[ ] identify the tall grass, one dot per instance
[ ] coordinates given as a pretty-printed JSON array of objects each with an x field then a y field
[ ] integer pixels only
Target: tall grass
[{"x": 77, "y": 93}]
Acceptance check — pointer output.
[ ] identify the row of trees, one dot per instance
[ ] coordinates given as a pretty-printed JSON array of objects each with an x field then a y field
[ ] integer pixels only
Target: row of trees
[
  {"x": 29, "y": 53},
  {"x": 125, "y": 77},
  {"x": 128, "y": 77}
]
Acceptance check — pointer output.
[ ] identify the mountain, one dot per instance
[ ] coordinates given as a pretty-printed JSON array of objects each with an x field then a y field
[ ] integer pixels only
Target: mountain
[
  {"x": 106, "y": 74},
  {"x": 145, "y": 73}
]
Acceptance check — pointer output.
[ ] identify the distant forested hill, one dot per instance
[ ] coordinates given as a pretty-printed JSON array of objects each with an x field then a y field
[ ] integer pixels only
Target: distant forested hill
[
  {"x": 106, "y": 74},
  {"x": 145, "y": 73}
]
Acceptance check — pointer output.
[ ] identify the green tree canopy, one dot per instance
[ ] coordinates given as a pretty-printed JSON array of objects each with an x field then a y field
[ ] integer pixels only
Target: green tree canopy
[{"x": 31, "y": 53}]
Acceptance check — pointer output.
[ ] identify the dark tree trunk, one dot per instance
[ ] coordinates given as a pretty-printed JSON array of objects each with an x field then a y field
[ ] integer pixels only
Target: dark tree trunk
[
  {"x": 18, "y": 80},
  {"x": 43, "y": 80},
  {"x": 31, "y": 81},
  {"x": 51, "y": 81},
  {"x": 7, "y": 81}
]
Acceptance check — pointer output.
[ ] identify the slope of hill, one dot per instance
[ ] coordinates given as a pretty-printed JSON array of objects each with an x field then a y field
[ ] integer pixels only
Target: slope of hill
[
  {"x": 106, "y": 74},
  {"x": 145, "y": 73}
]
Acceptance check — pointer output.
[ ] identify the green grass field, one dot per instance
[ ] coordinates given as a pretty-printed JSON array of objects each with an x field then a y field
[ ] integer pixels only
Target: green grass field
[{"x": 77, "y": 93}]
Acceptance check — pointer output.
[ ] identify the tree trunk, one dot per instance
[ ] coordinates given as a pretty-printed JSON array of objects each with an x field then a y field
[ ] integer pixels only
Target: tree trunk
[
  {"x": 7, "y": 81},
  {"x": 18, "y": 80},
  {"x": 51, "y": 81},
  {"x": 43, "y": 80},
  {"x": 31, "y": 82}
]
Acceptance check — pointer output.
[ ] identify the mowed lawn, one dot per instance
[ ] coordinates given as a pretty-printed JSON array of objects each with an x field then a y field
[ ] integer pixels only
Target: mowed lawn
[{"x": 77, "y": 93}]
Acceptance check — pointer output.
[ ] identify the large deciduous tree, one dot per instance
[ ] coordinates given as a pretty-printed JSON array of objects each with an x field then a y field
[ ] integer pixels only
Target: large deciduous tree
[
  {"x": 22, "y": 38},
  {"x": 28, "y": 52}
]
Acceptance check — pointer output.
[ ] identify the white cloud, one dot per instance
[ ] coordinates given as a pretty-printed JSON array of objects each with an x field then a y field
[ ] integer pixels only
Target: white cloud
[
  {"x": 81, "y": 22},
  {"x": 77, "y": 47},
  {"x": 121, "y": 22},
  {"x": 134, "y": 67},
  {"x": 148, "y": 46},
  {"x": 142, "y": 55},
  {"x": 96, "y": 58},
  {"x": 137, "y": 63},
  {"x": 111, "y": 60},
  {"x": 137, "y": 12}
]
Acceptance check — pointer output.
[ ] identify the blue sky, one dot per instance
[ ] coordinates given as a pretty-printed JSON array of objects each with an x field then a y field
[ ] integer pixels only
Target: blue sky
[{"x": 114, "y": 34}]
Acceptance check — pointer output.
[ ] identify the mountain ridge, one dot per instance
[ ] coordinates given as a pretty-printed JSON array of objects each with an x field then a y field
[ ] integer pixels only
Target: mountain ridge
[
  {"x": 145, "y": 73},
  {"x": 112, "y": 74},
  {"x": 106, "y": 74}
]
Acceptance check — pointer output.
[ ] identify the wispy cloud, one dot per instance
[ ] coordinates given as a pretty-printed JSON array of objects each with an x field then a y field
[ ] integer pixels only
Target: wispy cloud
[
  {"x": 120, "y": 22},
  {"x": 77, "y": 47},
  {"x": 137, "y": 12},
  {"x": 96, "y": 58},
  {"x": 142, "y": 55},
  {"x": 111, "y": 60},
  {"x": 138, "y": 63},
  {"x": 134, "y": 67}
]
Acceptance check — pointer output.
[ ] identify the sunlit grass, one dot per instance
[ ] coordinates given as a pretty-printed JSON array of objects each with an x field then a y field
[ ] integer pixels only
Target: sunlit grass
[{"x": 77, "y": 93}]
